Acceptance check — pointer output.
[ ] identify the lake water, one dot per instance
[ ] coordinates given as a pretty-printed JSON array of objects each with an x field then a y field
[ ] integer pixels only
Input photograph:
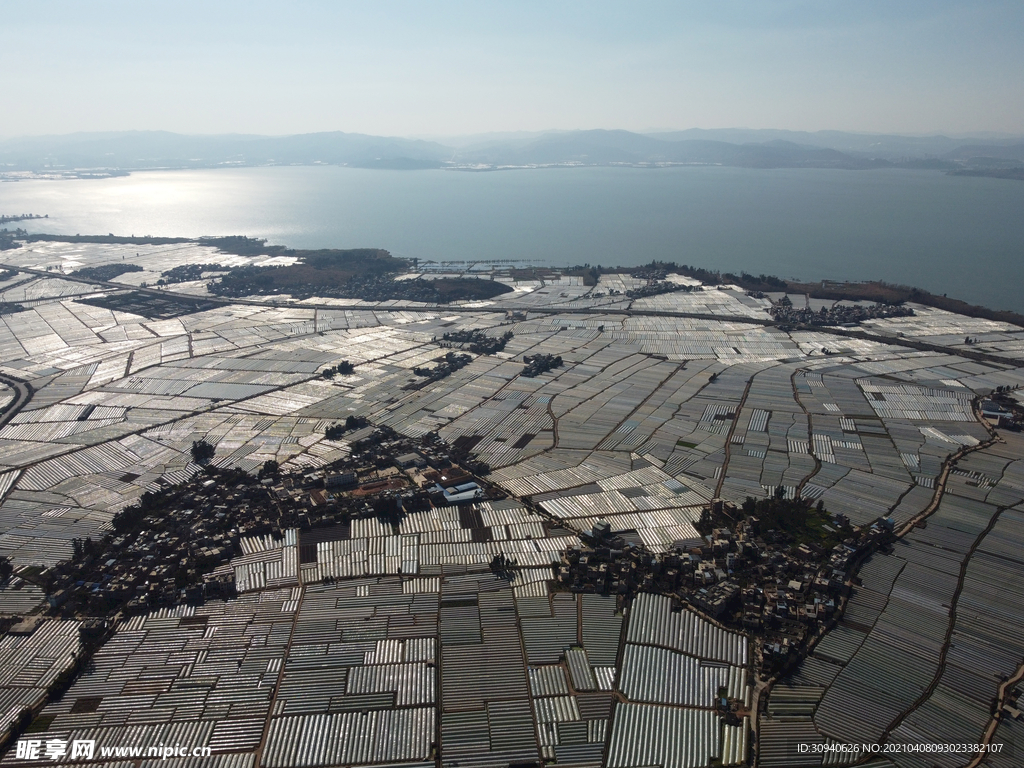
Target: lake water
[{"x": 958, "y": 235}]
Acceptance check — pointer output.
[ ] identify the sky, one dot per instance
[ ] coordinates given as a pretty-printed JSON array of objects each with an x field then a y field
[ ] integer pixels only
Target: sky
[{"x": 443, "y": 68}]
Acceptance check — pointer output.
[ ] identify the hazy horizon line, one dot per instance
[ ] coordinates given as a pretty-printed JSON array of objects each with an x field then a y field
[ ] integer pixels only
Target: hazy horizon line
[{"x": 437, "y": 137}]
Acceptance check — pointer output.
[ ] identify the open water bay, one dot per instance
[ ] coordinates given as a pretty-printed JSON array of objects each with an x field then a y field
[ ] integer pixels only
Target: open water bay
[{"x": 958, "y": 235}]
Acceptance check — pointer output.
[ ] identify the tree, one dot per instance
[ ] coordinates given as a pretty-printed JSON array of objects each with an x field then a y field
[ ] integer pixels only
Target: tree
[
  {"x": 202, "y": 452},
  {"x": 6, "y": 569},
  {"x": 345, "y": 368},
  {"x": 706, "y": 523},
  {"x": 503, "y": 567},
  {"x": 270, "y": 467},
  {"x": 82, "y": 548},
  {"x": 388, "y": 510},
  {"x": 354, "y": 422}
]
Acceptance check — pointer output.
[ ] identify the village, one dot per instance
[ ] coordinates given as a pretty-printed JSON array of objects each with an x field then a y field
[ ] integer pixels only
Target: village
[
  {"x": 743, "y": 574},
  {"x": 162, "y": 550}
]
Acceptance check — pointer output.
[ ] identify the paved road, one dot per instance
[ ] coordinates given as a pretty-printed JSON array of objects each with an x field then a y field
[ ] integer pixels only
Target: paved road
[{"x": 22, "y": 394}]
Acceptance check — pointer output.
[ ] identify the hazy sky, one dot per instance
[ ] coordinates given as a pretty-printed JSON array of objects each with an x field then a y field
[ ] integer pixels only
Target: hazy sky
[{"x": 448, "y": 68}]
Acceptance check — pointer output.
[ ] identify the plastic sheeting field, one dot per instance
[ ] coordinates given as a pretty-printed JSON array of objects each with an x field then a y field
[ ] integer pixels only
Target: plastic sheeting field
[{"x": 397, "y": 645}]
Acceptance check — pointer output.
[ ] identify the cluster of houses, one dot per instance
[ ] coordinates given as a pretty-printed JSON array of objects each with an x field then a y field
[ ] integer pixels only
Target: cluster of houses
[
  {"x": 780, "y": 594},
  {"x": 161, "y": 548}
]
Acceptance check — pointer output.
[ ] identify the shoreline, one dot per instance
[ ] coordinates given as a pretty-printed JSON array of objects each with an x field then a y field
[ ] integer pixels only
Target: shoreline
[{"x": 878, "y": 291}]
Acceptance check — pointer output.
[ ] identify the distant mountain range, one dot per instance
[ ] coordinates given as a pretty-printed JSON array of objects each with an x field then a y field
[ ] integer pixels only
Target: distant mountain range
[{"x": 147, "y": 150}]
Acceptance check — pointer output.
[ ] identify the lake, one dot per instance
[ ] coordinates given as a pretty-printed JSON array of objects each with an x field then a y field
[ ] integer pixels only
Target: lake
[{"x": 958, "y": 235}]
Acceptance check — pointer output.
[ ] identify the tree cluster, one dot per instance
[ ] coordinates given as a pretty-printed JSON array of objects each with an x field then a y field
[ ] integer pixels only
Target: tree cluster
[
  {"x": 797, "y": 518},
  {"x": 83, "y": 548},
  {"x": 658, "y": 287},
  {"x": 755, "y": 283},
  {"x": 479, "y": 343},
  {"x": 352, "y": 422},
  {"x": 503, "y": 566},
  {"x": 8, "y": 241},
  {"x": 784, "y": 311},
  {"x": 540, "y": 363},
  {"x": 185, "y": 273},
  {"x": 452, "y": 362},
  {"x": 202, "y": 452},
  {"x": 344, "y": 368},
  {"x": 106, "y": 272}
]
